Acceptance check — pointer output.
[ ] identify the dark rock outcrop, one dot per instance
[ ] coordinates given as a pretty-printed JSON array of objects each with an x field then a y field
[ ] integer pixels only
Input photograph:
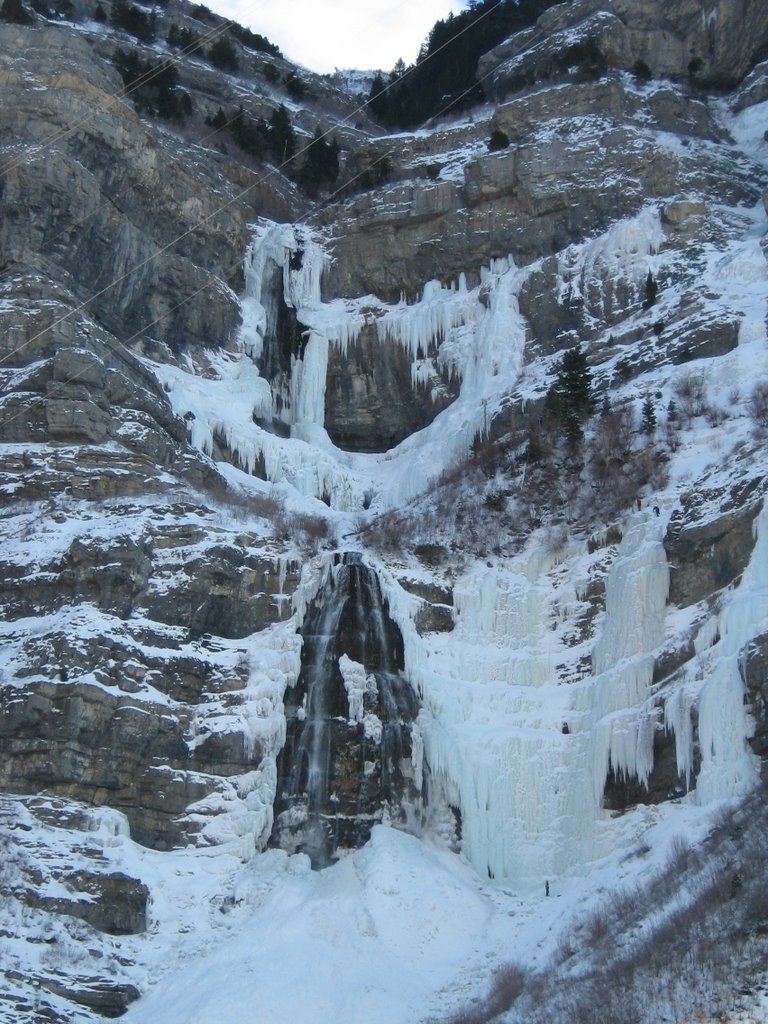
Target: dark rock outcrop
[
  {"x": 371, "y": 401},
  {"x": 710, "y": 541}
]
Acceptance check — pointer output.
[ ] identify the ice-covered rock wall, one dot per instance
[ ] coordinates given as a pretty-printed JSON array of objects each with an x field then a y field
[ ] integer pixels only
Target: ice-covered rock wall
[
  {"x": 524, "y": 752},
  {"x": 466, "y": 347}
]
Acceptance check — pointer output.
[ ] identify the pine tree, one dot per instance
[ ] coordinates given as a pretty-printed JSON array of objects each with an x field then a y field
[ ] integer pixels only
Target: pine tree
[
  {"x": 570, "y": 400},
  {"x": 651, "y": 291},
  {"x": 321, "y": 166},
  {"x": 648, "y": 424},
  {"x": 223, "y": 55},
  {"x": 282, "y": 138},
  {"x": 218, "y": 121},
  {"x": 15, "y": 12}
]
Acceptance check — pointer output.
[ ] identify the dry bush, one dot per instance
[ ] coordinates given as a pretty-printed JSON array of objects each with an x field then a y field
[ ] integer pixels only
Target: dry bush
[
  {"x": 672, "y": 434},
  {"x": 388, "y": 532},
  {"x": 714, "y": 415},
  {"x": 597, "y": 926},
  {"x": 691, "y": 393},
  {"x": 310, "y": 532},
  {"x": 565, "y": 948},
  {"x": 679, "y": 854},
  {"x": 757, "y": 405},
  {"x": 506, "y": 985}
]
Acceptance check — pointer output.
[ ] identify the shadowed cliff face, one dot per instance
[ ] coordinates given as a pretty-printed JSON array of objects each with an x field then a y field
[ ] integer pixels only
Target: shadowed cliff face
[
  {"x": 371, "y": 403},
  {"x": 348, "y": 759}
]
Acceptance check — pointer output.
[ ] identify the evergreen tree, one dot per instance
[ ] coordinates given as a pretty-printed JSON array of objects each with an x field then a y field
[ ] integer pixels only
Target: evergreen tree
[
  {"x": 133, "y": 20},
  {"x": 254, "y": 41},
  {"x": 321, "y": 166},
  {"x": 223, "y": 55},
  {"x": 648, "y": 423},
  {"x": 651, "y": 291},
  {"x": 282, "y": 138},
  {"x": 445, "y": 73},
  {"x": 498, "y": 140},
  {"x": 570, "y": 400},
  {"x": 295, "y": 87},
  {"x": 218, "y": 121},
  {"x": 15, "y": 12},
  {"x": 378, "y": 99},
  {"x": 154, "y": 87},
  {"x": 251, "y": 136}
]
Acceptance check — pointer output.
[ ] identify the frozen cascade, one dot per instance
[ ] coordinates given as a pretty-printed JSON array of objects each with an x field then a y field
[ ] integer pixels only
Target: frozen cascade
[
  {"x": 240, "y": 813},
  {"x": 529, "y": 791},
  {"x": 624, "y": 253},
  {"x": 622, "y": 662},
  {"x": 277, "y": 384},
  {"x": 347, "y": 761},
  {"x": 728, "y": 767}
]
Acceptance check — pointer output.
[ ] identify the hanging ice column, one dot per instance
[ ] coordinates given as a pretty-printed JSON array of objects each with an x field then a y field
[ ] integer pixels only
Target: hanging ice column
[
  {"x": 522, "y": 753},
  {"x": 615, "y": 705},
  {"x": 283, "y": 269},
  {"x": 728, "y": 767}
]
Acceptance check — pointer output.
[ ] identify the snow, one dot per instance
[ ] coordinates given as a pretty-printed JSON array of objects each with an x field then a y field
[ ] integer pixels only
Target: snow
[
  {"x": 354, "y": 916},
  {"x": 520, "y": 722}
]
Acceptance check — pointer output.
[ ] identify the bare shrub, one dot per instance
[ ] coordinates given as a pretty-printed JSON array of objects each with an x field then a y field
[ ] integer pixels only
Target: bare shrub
[
  {"x": 308, "y": 532},
  {"x": 388, "y": 532},
  {"x": 487, "y": 455},
  {"x": 714, "y": 415},
  {"x": 672, "y": 434},
  {"x": 614, "y": 432},
  {"x": 565, "y": 948},
  {"x": 691, "y": 392},
  {"x": 506, "y": 985},
  {"x": 597, "y": 926},
  {"x": 679, "y": 854},
  {"x": 469, "y": 1015},
  {"x": 757, "y": 405}
]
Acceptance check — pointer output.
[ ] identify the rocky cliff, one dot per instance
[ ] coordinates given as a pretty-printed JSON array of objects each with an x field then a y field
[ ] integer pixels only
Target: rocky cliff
[{"x": 218, "y": 382}]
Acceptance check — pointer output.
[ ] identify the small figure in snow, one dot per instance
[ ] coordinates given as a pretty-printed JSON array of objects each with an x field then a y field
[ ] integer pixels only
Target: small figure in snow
[
  {"x": 566, "y": 730},
  {"x": 639, "y": 504},
  {"x": 657, "y": 510},
  {"x": 546, "y": 888}
]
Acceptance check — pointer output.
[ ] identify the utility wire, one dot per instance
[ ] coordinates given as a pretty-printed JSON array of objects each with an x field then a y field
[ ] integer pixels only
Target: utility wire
[
  {"x": 122, "y": 94},
  {"x": 147, "y": 326}
]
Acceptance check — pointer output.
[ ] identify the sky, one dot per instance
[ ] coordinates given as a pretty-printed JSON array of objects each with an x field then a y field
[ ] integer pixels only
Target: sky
[{"x": 362, "y": 34}]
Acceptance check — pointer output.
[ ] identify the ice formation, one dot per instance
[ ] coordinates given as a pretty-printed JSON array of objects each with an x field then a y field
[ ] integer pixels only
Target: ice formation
[
  {"x": 522, "y": 753},
  {"x": 476, "y": 336},
  {"x": 728, "y": 767},
  {"x": 525, "y": 757}
]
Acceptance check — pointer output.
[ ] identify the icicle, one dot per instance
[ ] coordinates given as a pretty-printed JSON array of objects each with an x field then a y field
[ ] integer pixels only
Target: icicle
[
  {"x": 677, "y": 717},
  {"x": 356, "y": 684},
  {"x": 728, "y": 767}
]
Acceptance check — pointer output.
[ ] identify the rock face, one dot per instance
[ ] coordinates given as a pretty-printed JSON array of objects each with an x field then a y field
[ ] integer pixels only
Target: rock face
[
  {"x": 705, "y": 557},
  {"x": 755, "y": 669},
  {"x": 535, "y": 197},
  {"x": 674, "y": 41},
  {"x": 371, "y": 400}
]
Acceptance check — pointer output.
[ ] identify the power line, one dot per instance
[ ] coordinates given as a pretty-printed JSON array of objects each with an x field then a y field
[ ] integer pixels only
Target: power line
[
  {"x": 124, "y": 93},
  {"x": 147, "y": 326}
]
